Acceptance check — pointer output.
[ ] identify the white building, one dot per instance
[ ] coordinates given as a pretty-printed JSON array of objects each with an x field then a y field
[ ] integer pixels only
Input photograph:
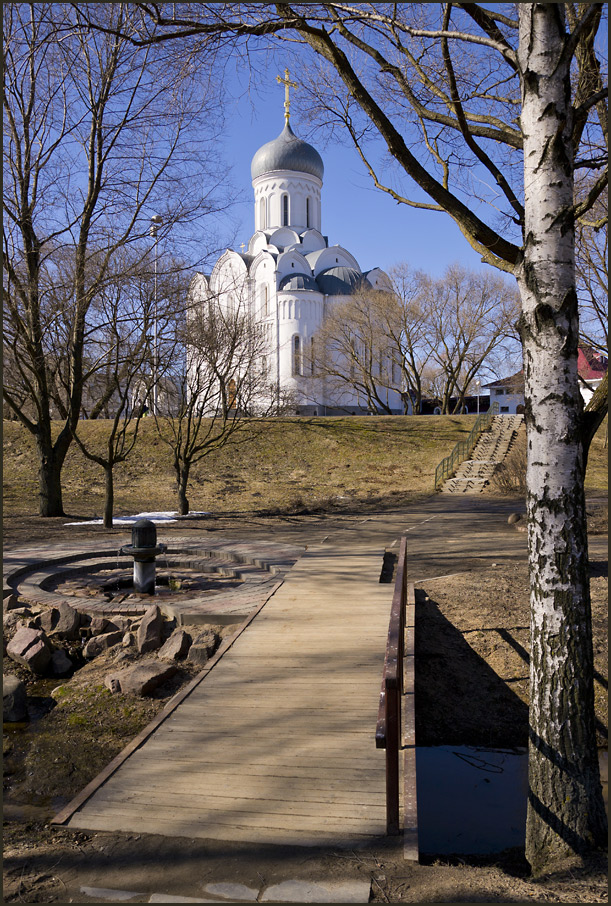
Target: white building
[{"x": 289, "y": 277}]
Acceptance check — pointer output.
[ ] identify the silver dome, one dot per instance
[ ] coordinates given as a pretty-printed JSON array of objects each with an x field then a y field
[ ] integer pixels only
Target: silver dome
[
  {"x": 339, "y": 280},
  {"x": 287, "y": 152},
  {"x": 298, "y": 281}
]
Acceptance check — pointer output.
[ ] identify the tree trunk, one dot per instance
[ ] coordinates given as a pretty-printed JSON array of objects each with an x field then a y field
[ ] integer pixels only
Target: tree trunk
[
  {"x": 182, "y": 481},
  {"x": 566, "y": 813},
  {"x": 50, "y": 501},
  {"x": 109, "y": 498}
]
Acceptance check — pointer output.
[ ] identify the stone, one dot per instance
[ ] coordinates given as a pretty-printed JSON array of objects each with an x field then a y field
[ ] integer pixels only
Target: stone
[
  {"x": 141, "y": 679},
  {"x": 30, "y": 647},
  {"x": 47, "y": 619},
  {"x": 203, "y": 646},
  {"x": 11, "y": 621},
  {"x": 14, "y": 699},
  {"x": 151, "y": 630},
  {"x": 100, "y": 625},
  {"x": 232, "y": 891},
  {"x": 514, "y": 517},
  {"x": 99, "y": 643},
  {"x": 107, "y": 893},
  {"x": 315, "y": 892},
  {"x": 128, "y": 640},
  {"x": 176, "y": 647},
  {"x": 60, "y": 662},
  {"x": 67, "y": 625}
]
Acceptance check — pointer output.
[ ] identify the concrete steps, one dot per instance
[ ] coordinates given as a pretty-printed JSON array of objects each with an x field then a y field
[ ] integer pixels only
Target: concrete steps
[{"x": 474, "y": 474}]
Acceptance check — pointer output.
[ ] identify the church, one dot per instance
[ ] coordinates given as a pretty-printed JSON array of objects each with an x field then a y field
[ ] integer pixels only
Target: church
[{"x": 289, "y": 277}]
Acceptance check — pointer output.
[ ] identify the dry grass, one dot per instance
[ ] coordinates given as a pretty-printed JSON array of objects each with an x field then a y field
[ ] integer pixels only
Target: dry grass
[{"x": 278, "y": 465}]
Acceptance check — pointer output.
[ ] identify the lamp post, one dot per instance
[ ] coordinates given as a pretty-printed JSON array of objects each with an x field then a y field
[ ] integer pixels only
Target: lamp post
[
  {"x": 478, "y": 384},
  {"x": 156, "y": 219}
]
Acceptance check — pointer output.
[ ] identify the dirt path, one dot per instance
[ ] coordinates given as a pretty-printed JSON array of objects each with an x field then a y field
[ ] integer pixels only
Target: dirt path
[{"x": 472, "y": 616}]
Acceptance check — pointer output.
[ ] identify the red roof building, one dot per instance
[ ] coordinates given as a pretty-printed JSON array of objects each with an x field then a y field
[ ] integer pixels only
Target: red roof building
[{"x": 509, "y": 392}]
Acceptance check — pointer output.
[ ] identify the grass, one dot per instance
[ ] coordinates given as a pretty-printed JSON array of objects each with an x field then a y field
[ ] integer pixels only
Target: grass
[{"x": 279, "y": 465}]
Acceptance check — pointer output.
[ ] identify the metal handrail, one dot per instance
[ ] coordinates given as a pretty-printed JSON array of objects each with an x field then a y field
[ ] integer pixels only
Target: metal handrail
[
  {"x": 464, "y": 448},
  {"x": 388, "y": 727}
]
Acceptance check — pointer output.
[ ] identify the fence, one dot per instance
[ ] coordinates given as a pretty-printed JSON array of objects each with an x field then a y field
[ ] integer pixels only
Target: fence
[{"x": 464, "y": 448}]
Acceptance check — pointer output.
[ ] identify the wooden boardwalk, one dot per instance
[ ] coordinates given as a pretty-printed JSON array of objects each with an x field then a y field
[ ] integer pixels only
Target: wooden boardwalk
[{"x": 277, "y": 743}]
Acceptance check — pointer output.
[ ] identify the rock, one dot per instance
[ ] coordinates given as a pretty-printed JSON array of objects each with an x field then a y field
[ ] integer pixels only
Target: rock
[
  {"x": 14, "y": 699},
  {"x": 203, "y": 646},
  {"x": 151, "y": 630},
  {"x": 176, "y": 646},
  {"x": 128, "y": 640},
  {"x": 515, "y": 517},
  {"x": 100, "y": 625},
  {"x": 30, "y": 647},
  {"x": 67, "y": 625},
  {"x": 11, "y": 621},
  {"x": 46, "y": 620},
  {"x": 141, "y": 679},
  {"x": 99, "y": 643},
  {"x": 60, "y": 662}
]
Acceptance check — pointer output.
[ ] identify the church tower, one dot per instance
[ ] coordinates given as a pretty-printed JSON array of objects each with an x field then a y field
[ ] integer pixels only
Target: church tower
[
  {"x": 289, "y": 278},
  {"x": 287, "y": 178}
]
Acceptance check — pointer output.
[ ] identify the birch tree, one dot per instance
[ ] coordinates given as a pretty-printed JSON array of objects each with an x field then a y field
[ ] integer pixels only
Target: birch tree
[{"x": 490, "y": 111}]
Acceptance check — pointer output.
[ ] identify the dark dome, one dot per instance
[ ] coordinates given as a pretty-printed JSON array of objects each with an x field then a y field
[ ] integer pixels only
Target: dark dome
[
  {"x": 339, "y": 280},
  {"x": 287, "y": 152},
  {"x": 299, "y": 281}
]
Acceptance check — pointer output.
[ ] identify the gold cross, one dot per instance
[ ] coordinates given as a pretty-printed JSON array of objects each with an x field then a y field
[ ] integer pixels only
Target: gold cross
[
  {"x": 242, "y": 247},
  {"x": 287, "y": 101}
]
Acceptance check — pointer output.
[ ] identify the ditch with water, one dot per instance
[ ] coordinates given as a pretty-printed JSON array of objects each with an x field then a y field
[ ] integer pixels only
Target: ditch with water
[{"x": 472, "y": 800}]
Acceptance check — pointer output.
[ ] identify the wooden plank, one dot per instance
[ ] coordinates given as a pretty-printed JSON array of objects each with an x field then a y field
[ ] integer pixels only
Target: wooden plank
[
  {"x": 144, "y": 812},
  {"x": 171, "y": 825}
]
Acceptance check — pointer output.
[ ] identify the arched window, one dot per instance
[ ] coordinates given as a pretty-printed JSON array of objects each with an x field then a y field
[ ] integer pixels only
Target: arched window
[
  {"x": 296, "y": 355},
  {"x": 285, "y": 210},
  {"x": 264, "y": 301},
  {"x": 262, "y": 217},
  {"x": 312, "y": 355},
  {"x": 308, "y": 224}
]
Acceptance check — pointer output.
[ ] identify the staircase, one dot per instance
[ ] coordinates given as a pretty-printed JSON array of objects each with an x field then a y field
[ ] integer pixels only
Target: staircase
[{"x": 474, "y": 474}]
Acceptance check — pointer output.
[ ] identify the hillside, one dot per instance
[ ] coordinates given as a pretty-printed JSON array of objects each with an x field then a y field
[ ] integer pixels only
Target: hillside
[{"x": 279, "y": 465}]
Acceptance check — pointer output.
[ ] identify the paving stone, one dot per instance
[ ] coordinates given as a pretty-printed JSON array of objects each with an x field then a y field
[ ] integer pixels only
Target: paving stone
[
  {"x": 313, "y": 892},
  {"x": 113, "y": 896},
  {"x": 166, "y": 898},
  {"x": 232, "y": 891}
]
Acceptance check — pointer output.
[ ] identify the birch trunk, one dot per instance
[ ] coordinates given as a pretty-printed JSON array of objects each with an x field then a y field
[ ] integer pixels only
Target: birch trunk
[{"x": 566, "y": 813}]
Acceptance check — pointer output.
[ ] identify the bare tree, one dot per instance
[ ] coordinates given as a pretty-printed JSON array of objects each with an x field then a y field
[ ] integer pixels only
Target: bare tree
[
  {"x": 221, "y": 386},
  {"x": 353, "y": 353},
  {"x": 490, "y": 110},
  {"x": 97, "y": 135},
  {"x": 120, "y": 364},
  {"x": 470, "y": 318}
]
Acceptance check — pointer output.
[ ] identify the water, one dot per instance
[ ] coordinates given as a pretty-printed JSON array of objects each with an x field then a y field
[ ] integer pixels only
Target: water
[{"x": 473, "y": 800}]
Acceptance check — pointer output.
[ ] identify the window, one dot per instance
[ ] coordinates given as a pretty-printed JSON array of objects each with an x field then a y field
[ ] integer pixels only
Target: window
[
  {"x": 312, "y": 355},
  {"x": 262, "y": 217},
  {"x": 308, "y": 224},
  {"x": 264, "y": 301},
  {"x": 296, "y": 355},
  {"x": 264, "y": 366},
  {"x": 285, "y": 210},
  {"x": 504, "y": 408}
]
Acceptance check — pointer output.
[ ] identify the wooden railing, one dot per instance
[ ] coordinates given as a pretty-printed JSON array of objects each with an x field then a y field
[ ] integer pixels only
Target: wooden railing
[
  {"x": 464, "y": 448},
  {"x": 388, "y": 728}
]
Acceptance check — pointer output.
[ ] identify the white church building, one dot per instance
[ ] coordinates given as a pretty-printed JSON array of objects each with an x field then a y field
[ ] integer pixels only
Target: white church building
[{"x": 289, "y": 276}]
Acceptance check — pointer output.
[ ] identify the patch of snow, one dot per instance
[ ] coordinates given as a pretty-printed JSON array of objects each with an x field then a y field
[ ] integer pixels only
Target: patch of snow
[{"x": 154, "y": 517}]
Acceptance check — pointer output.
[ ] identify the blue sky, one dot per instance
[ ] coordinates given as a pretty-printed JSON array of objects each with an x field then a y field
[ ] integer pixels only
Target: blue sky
[{"x": 366, "y": 221}]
